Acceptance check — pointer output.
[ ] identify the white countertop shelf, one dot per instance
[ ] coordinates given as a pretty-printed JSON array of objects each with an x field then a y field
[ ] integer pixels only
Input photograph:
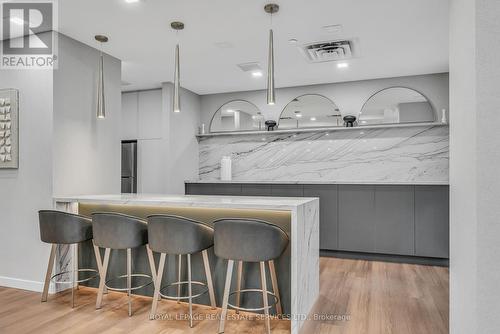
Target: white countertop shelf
[
  {"x": 443, "y": 183},
  {"x": 323, "y": 129}
]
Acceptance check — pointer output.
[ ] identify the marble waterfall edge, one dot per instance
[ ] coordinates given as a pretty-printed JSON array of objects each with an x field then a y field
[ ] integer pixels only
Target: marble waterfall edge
[{"x": 414, "y": 154}]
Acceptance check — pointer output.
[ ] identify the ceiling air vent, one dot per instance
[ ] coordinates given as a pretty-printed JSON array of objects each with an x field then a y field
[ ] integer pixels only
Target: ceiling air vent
[{"x": 328, "y": 51}]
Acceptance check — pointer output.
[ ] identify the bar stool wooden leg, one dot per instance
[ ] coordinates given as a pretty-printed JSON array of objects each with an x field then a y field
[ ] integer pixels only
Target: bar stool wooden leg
[
  {"x": 98, "y": 260},
  {"x": 225, "y": 299},
  {"x": 264, "y": 295},
  {"x": 274, "y": 280},
  {"x": 50, "y": 267},
  {"x": 77, "y": 265},
  {"x": 179, "y": 276},
  {"x": 190, "y": 291},
  {"x": 102, "y": 280},
  {"x": 208, "y": 273},
  {"x": 239, "y": 273},
  {"x": 152, "y": 266},
  {"x": 158, "y": 278},
  {"x": 73, "y": 273},
  {"x": 129, "y": 280}
]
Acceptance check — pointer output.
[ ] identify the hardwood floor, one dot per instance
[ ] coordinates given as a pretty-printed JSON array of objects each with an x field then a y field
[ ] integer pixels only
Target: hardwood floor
[{"x": 367, "y": 297}]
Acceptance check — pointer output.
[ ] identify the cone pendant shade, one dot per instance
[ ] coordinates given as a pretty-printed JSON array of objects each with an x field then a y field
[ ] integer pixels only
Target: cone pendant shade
[
  {"x": 176, "y": 104},
  {"x": 101, "y": 105},
  {"x": 100, "y": 101},
  {"x": 270, "y": 71}
]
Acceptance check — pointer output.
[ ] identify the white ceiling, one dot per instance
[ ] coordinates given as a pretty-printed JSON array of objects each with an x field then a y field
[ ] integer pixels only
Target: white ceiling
[{"x": 396, "y": 38}]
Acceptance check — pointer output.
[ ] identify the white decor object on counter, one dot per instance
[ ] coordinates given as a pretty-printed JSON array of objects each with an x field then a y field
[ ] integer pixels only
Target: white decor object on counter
[
  {"x": 443, "y": 116},
  {"x": 225, "y": 168}
]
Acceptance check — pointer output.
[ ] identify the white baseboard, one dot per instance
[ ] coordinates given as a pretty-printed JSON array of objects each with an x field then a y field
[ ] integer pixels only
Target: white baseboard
[{"x": 23, "y": 284}]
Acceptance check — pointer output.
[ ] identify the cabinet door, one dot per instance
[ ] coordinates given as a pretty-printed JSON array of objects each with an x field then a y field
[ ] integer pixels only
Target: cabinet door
[
  {"x": 328, "y": 213},
  {"x": 394, "y": 216},
  {"x": 130, "y": 116},
  {"x": 432, "y": 221},
  {"x": 225, "y": 189},
  {"x": 213, "y": 189},
  {"x": 256, "y": 190},
  {"x": 356, "y": 218},
  {"x": 150, "y": 122},
  {"x": 287, "y": 190}
]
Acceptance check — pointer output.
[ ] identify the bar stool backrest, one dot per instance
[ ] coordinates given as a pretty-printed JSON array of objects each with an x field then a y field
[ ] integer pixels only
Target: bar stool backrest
[
  {"x": 248, "y": 240},
  {"x": 118, "y": 231},
  {"x": 178, "y": 235},
  {"x": 57, "y": 227}
]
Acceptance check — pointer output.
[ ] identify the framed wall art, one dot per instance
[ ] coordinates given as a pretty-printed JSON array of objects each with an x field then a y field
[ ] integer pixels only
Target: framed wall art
[{"x": 9, "y": 128}]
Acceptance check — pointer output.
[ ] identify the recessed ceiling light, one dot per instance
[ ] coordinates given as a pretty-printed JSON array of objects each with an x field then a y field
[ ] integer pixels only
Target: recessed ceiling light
[
  {"x": 257, "y": 74},
  {"x": 132, "y": 1},
  {"x": 230, "y": 110},
  {"x": 17, "y": 20},
  {"x": 342, "y": 65},
  {"x": 313, "y": 118},
  {"x": 298, "y": 115}
]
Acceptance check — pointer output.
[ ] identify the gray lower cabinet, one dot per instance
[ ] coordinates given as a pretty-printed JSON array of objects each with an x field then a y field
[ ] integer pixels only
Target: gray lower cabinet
[
  {"x": 213, "y": 189},
  {"x": 394, "y": 220},
  {"x": 387, "y": 219},
  {"x": 432, "y": 221},
  {"x": 287, "y": 190},
  {"x": 356, "y": 218},
  {"x": 328, "y": 213},
  {"x": 256, "y": 189}
]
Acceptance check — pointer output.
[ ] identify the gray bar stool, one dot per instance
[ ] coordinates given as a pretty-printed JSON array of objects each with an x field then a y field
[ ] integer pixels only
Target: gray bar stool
[
  {"x": 57, "y": 227},
  {"x": 249, "y": 240},
  {"x": 119, "y": 231},
  {"x": 180, "y": 236}
]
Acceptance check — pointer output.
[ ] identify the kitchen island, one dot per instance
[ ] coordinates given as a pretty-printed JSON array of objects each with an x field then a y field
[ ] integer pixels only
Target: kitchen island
[{"x": 297, "y": 268}]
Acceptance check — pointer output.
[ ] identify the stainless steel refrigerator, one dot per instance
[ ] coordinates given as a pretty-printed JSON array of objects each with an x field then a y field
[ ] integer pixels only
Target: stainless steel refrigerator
[{"x": 129, "y": 166}]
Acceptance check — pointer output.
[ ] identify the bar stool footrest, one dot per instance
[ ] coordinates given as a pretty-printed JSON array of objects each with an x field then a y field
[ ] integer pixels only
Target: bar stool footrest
[
  {"x": 52, "y": 278},
  {"x": 131, "y": 288},
  {"x": 239, "y": 308},
  {"x": 163, "y": 295}
]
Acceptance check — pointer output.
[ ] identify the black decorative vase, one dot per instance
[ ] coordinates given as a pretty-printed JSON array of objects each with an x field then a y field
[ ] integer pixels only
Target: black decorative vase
[
  {"x": 349, "y": 121},
  {"x": 270, "y": 125}
]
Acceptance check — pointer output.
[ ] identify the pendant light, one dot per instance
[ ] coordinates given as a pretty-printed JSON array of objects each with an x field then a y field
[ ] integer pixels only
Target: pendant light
[
  {"x": 271, "y": 9},
  {"x": 100, "y": 101},
  {"x": 176, "y": 104}
]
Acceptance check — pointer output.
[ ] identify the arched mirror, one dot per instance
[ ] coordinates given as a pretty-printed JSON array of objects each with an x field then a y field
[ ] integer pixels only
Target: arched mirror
[
  {"x": 310, "y": 111},
  {"x": 396, "y": 105},
  {"x": 238, "y": 115}
]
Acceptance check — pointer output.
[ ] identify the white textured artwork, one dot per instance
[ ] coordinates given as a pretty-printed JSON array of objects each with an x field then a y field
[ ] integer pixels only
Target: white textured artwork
[
  {"x": 417, "y": 154},
  {"x": 9, "y": 127}
]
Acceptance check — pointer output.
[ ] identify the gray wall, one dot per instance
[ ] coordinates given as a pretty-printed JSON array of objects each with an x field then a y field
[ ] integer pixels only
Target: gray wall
[
  {"x": 63, "y": 150},
  {"x": 182, "y": 153},
  {"x": 86, "y": 149},
  {"x": 29, "y": 188},
  {"x": 348, "y": 96},
  {"x": 475, "y": 157}
]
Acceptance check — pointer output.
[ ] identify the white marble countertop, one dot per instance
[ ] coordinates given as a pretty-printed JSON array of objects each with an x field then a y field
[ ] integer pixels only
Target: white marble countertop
[
  {"x": 237, "y": 202},
  {"x": 443, "y": 183}
]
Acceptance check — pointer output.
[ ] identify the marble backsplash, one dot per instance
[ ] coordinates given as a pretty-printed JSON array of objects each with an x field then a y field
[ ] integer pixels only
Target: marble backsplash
[{"x": 417, "y": 154}]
